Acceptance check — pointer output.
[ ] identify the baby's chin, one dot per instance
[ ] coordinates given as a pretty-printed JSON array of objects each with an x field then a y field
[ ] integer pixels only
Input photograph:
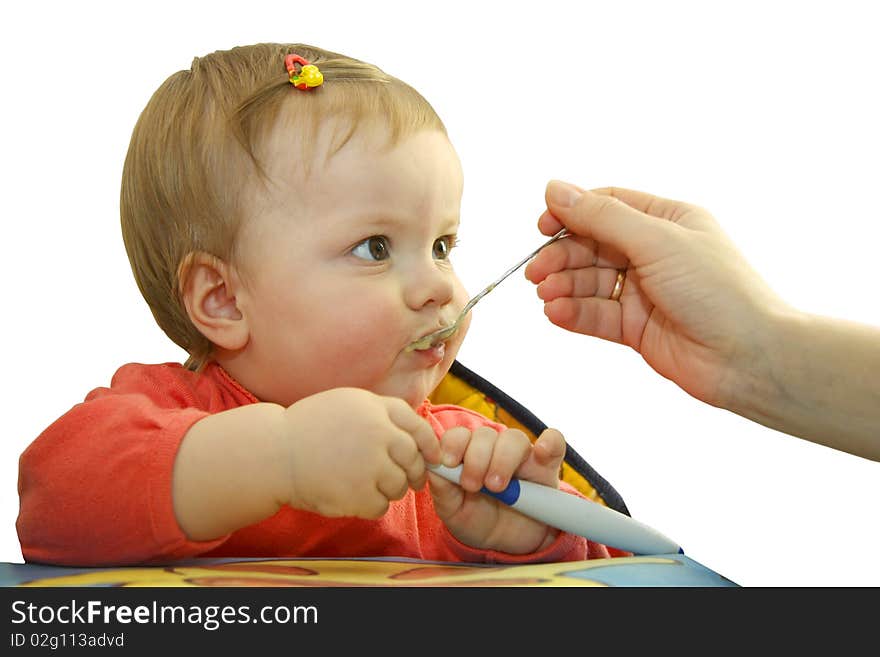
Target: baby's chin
[
  {"x": 415, "y": 396},
  {"x": 415, "y": 386},
  {"x": 416, "y": 391}
]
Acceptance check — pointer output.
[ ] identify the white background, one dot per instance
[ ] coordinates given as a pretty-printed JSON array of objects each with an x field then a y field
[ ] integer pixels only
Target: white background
[{"x": 763, "y": 112}]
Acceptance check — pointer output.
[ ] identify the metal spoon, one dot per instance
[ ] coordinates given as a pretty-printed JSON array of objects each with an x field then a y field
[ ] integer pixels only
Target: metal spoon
[{"x": 428, "y": 341}]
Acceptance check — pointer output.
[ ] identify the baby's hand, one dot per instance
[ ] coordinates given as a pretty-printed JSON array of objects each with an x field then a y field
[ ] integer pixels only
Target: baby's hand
[
  {"x": 351, "y": 452},
  {"x": 490, "y": 459}
]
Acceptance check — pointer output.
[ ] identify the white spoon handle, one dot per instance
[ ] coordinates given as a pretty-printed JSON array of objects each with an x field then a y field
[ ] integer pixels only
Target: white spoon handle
[{"x": 575, "y": 515}]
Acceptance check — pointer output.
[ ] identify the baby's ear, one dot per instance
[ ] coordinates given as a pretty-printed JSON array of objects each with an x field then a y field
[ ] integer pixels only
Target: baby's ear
[{"x": 208, "y": 287}]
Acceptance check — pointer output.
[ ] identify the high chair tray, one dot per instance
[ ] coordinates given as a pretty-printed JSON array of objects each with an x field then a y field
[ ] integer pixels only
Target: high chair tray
[{"x": 666, "y": 570}]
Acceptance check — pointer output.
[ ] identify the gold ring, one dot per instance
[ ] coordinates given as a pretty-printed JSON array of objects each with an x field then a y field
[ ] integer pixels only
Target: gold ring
[{"x": 618, "y": 285}]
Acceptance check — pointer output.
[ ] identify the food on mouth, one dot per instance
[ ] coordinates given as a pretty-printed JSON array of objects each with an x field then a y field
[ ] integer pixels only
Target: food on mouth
[{"x": 428, "y": 341}]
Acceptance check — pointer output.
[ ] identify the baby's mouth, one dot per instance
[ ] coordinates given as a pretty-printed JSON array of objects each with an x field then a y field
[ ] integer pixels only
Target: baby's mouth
[
  {"x": 430, "y": 356},
  {"x": 433, "y": 339}
]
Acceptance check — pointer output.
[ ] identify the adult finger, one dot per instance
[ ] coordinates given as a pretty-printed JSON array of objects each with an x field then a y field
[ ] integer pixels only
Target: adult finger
[
  {"x": 573, "y": 253},
  {"x": 674, "y": 212},
  {"x": 569, "y": 253},
  {"x": 548, "y": 224},
  {"x": 578, "y": 283},
  {"x": 600, "y": 318},
  {"x": 655, "y": 206},
  {"x": 606, "y": 219}
]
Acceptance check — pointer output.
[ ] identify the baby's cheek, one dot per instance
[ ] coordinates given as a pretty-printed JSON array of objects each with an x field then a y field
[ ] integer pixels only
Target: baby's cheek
[{"x": 361, "y": 338}]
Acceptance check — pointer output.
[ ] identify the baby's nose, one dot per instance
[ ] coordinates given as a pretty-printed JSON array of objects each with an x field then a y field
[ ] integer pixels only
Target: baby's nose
[{"x": 431, "y": 286}]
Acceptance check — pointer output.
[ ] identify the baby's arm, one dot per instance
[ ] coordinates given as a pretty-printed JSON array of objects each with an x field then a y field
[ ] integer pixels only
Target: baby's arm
[
  {"x": 97, "y": 486},
  {"x": 343, "y": 452},
  {"x": 229, "y": 472}
]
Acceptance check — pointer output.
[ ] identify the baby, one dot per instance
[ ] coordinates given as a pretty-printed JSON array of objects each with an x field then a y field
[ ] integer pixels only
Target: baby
[{"x": 289, "y": 215}]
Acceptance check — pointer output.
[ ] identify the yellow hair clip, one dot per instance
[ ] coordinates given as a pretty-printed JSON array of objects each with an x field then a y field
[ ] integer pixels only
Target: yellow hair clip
[{"x": 307, "y": 76}]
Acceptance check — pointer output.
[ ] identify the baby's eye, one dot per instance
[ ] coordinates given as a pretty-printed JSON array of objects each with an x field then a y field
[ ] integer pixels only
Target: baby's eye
[
  {"x": 443, "y": 246},
  {"x": 372, "y": 248}
]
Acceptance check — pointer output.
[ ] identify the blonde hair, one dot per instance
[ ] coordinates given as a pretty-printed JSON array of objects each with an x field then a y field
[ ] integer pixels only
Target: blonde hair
[{"x": 194, "y": 150}]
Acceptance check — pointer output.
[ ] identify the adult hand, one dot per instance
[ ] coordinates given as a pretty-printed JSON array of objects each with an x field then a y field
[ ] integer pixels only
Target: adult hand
[{"x": 689, "y": 303}]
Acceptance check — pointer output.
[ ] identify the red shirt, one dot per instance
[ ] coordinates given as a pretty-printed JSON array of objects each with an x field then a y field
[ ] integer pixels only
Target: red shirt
[{"x": 95, "y": 487}]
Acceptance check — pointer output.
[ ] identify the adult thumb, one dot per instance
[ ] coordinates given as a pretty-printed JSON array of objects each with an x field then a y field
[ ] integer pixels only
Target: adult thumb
[{"x": 602, "y": 217}]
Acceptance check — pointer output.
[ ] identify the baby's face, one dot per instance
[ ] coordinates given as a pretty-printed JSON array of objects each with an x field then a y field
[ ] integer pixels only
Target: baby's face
[{"x": 347, "y": 268}]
